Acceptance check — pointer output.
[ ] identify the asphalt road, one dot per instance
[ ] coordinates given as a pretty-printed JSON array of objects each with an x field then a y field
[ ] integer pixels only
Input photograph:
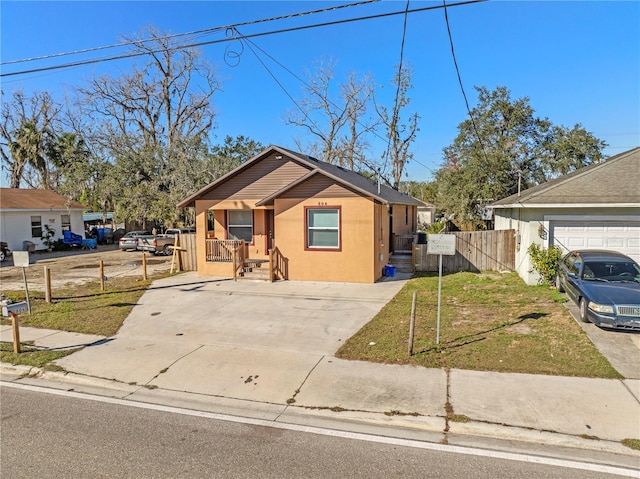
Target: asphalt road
[{"x": 46, "y": 435}]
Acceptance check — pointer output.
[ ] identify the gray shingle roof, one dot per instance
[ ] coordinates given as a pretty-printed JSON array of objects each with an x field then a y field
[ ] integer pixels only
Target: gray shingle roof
[
  {"x": 359, "y": 181},
  {"x": 614, "y": 181}
]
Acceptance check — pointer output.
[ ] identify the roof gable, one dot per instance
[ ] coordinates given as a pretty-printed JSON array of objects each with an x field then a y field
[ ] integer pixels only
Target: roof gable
[
  {"x": 613, "y": 181},
  {"x": 31, "y": 199},
  {"x": 349, "y": 179}
]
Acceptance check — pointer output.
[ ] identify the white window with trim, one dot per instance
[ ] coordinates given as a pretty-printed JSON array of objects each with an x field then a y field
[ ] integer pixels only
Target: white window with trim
[
  {"x": 323, "y": 228},
  {"x": 65, "y": 222},
  {"x": 36, "y": 226},
  {"x": 240, "y": 225}
]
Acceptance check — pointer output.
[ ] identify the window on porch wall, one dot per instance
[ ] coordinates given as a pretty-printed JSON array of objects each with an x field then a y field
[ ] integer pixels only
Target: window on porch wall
[{"x": 240, "y": 225}]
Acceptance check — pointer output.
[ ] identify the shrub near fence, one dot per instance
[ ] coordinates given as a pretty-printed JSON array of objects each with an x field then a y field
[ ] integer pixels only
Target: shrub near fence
[{"x": 475, "y": 251}]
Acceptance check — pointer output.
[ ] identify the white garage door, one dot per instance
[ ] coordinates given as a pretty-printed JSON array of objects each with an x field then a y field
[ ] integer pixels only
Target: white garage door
[{"x": 622, "y": 236}]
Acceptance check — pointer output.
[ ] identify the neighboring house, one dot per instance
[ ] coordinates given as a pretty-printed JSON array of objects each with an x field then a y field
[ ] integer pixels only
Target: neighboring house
[
  {"x": 24, "y": 214},
  {"x": 426, "y": 214},
  {"x": 323, "y": 222},
  {"x": 596, "y": 207}
]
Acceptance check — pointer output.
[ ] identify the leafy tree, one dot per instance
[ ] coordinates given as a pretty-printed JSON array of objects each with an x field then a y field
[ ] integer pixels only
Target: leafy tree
[
  {"x": 28, "y": 130},
  {"x": 231, "y": 154},
  {"x": 422, "y": 190},
  {"x": 506, "y": 148}
]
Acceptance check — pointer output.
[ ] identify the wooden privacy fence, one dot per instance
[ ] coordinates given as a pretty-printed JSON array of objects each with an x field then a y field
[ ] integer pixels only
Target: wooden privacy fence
[
  {"x": 475, "y": 251},
  {"x": 188, "y": 257}
]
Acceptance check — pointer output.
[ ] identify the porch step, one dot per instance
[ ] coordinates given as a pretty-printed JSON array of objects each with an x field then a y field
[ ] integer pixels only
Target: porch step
[
  {"x": 258, "y": 274},
  {"x": 402, "y": 262},
  {"x": 255, "y": 269}
]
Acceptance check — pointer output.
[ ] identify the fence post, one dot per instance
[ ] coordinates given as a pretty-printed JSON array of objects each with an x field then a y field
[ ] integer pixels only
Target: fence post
[
  {"x": 15, "y": 326},
  {"x": 47, "y": 284},
  {"x": 101, "y": 275},
  {"x": 413, "y": 322},
  {"x": 144, "y": 266},
  {"x": 233, "y": 261},
  {"x": 271, "y": 272}
]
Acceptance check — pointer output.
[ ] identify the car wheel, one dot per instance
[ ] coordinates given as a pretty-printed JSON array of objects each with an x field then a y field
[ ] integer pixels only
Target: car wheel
[
  {"x": 558, "y": 285},
  {"x": 2, "y": 256},
  {"x": 166, "y": 250},
  {"x": 583, "y": 311}
]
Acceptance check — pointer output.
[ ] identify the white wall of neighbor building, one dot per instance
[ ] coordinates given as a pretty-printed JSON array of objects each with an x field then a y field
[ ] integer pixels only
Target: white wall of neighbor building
[
  {"x": 606, "y": 228},
  {"x": 15, "y": 226}
]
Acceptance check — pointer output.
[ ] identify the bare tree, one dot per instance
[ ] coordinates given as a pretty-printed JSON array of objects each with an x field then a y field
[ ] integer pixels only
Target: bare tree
[
  {"x": 337, "y": 120},
  {"x": 399, "y": 135}
]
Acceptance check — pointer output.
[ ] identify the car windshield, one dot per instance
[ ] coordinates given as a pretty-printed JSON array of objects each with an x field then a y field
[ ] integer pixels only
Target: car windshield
[{"x": 611, "y": 271}]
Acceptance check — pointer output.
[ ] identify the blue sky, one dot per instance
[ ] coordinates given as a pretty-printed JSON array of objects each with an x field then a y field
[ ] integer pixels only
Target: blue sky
[{"x": 578, "y": 62}]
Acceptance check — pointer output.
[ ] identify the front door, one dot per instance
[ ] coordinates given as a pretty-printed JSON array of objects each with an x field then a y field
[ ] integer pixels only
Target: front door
[{"x": 271, "y": 234}]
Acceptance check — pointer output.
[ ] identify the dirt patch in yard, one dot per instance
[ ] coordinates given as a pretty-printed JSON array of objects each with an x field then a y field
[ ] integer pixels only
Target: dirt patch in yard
[{"x": 79, "y": 266}]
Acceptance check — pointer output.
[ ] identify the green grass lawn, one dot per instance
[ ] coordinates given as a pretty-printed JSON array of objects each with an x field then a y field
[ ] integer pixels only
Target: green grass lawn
[
  {"x": 489, "y": 322},
  {"x": 84, "y": 309}
]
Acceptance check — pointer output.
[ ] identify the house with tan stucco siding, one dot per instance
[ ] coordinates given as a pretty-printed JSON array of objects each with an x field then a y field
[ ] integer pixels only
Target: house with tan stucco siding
[{"x": 299, "y": 218}]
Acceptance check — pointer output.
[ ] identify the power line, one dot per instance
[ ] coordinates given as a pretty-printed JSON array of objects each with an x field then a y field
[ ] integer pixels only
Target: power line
[
  {"x": 194, "y": 32},
  {"x": 301, "y": 80},
  {"x": 255, "y": 35},
  {"x": 394, "y": 119},
  {"x": 464, "y": 94}
]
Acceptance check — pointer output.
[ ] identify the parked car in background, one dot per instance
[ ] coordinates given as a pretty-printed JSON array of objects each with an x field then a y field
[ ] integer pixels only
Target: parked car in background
[
  {"x": 605, "y": 285},
  {"x": 117, "y": 234},
  {"x": 163, "y": 243},
  {"x": 130, "y": 240}
]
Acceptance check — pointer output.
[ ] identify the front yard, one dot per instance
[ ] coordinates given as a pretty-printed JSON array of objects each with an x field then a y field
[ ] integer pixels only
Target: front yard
[{"x": 489, "y": 322}]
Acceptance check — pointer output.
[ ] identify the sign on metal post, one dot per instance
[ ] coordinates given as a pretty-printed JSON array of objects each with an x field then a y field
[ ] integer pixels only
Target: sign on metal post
[
  {"x": 440, "y": 244},
  {"x": 21, "y": 258}
]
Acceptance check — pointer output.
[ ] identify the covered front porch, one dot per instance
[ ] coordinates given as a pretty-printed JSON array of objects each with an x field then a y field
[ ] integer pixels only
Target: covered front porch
[{"x": 230, "y": 258}]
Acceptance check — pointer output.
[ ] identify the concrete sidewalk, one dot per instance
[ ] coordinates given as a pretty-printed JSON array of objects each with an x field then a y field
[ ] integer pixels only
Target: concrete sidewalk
[{"x": 181, "y": 346}]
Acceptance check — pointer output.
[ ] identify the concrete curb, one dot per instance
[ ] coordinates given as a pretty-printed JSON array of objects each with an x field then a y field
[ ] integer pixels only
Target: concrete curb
[{"x": 434, "y": 429}]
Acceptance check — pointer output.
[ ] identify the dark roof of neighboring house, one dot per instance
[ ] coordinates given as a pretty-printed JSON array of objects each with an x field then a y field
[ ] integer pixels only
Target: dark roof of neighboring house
[
  {"x": 352, "y": 179},
  {"x": 26, "y": 199},
  {"x": 424, "y": 204},
  {"x": 614, "y": 181}
]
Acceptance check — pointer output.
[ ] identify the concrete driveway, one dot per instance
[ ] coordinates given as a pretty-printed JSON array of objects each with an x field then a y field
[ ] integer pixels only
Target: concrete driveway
[
  {"x": 621, "y": 348},
  {"x": 250, "y": 340}
]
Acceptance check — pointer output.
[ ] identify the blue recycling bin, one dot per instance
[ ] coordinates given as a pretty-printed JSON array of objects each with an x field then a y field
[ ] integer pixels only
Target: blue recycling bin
[{"x": 390, "y": 271}]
